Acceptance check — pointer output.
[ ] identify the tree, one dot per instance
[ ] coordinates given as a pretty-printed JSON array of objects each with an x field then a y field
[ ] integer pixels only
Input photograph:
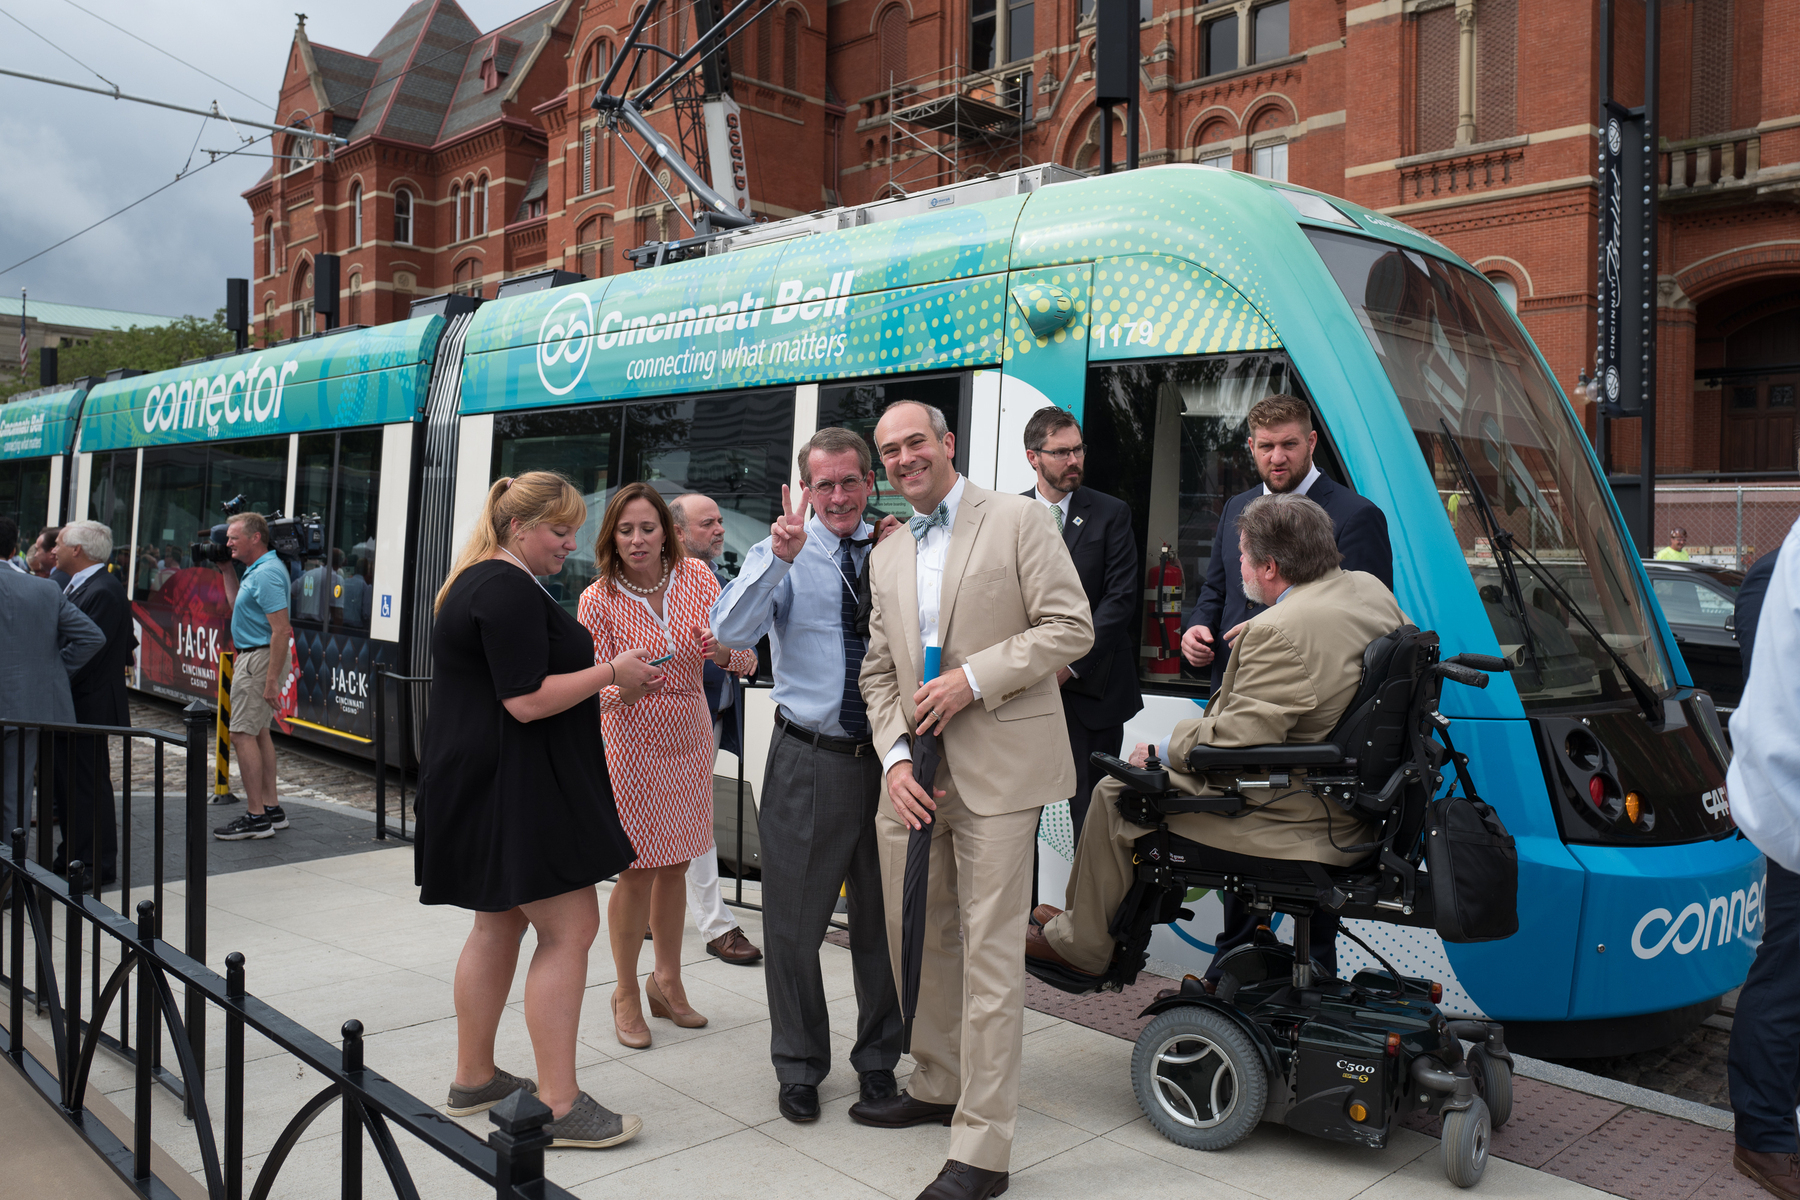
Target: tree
[{"x": 145, "y": 348}]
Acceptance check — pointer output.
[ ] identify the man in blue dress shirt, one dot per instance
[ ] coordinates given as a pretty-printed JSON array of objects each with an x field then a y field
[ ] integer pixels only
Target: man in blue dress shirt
[{"x": 823, "y": 780}]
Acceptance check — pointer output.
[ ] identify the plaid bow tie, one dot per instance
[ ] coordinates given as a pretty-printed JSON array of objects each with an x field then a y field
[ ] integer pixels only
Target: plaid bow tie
[{"x": 920, "y": 524}]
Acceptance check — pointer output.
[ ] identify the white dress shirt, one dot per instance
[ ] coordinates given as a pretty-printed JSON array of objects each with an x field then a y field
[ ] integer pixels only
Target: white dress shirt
[
  {"x": 1763, "y": 785},
  {"x": 933, "y": 552},
  {"x": 81, "y": 577},
  {"x": 1061, "y": 505}
]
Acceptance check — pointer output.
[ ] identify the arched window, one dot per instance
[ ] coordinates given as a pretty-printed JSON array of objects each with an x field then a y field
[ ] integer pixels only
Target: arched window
[
  {"x": 356, "y": 234},
  {"x": 1269, "y": 160},
  {"x": 790, "y": 50},
  {"x": 1213, "y": 147},
  {"x": 300, "y": 152},
  {"x": 1087, "y": 154},
  {"x": 303, "y": 300},
  {"x": 765, "y": 53},
  {"x": 595, "y": 62},
  {"x": 355, "y": 313},
  {"x": 593, "y": 247},
  {"x": 478, "y": 214},
  {"x": 468, "y": 277},
  {"x": 269, "y": 321},
  {"x": 893, "y": 46},
  {"x": 403, "y": 217},
  {"x": 268, "y": 246},
  {"x": 1509, "y": 291},
  {"x": 456, "y": 203}
]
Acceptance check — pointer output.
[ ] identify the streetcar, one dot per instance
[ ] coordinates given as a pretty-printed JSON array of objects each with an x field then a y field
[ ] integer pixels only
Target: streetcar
[
  {"x": 37, "y": 432},
  {"x": 1157, "y": 306}
]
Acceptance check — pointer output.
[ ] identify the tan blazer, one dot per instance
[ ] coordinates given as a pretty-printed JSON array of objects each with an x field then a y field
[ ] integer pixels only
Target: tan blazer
[
  {"x": 1292, "y": 675},
  {"x": 1013, "y": 609}
]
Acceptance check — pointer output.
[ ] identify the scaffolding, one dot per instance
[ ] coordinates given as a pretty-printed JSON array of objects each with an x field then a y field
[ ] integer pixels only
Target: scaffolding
[{"x": 947, "y": 127}]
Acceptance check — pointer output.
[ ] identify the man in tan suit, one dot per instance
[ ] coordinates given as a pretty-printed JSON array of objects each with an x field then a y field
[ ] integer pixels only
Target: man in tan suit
[
  {"x": 1295, "y": 669},
  {"x": 983, "y": 575}
]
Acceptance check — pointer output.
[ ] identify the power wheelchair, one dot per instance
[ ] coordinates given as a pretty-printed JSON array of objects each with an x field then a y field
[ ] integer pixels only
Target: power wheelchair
[{"x": 1280, "y": 1039}]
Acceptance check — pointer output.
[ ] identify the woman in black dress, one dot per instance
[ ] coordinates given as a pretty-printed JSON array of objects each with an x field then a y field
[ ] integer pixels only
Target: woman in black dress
[{"x": 515, "y": 811}]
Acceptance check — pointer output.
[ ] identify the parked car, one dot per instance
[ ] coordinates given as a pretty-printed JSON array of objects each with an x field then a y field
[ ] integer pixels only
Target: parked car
[{"x": 1698, "y": 600}]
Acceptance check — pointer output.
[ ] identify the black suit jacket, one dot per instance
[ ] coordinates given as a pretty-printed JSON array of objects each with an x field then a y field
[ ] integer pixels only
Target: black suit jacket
[
  {"x": 99, "y": 687},
  {"x": 1748, "y": 609},
  {"x": 1104, "y": 691},
  {"x": 1362, "y": 538}
]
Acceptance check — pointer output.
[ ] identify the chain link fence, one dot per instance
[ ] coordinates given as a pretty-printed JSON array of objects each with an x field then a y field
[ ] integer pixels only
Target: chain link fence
[{"x": 1728, "y": 524}]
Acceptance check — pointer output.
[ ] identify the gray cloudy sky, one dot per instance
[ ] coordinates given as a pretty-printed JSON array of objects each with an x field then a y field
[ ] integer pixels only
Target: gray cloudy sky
[{"x": 68, "y": 158}]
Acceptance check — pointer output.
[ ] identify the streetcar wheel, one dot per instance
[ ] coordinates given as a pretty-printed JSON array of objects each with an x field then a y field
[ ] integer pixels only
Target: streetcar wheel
[
  {"x": 1493, "y": 1083},
  {"x": 1465, "y": 1146},
  {"x": 1199, "y": 1078}
]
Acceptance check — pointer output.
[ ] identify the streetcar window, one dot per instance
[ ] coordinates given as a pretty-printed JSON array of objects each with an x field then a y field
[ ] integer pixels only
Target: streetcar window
[
  {"x": 858, "y": 406},
  {"x": 25, "y": 494},
  {"x": 735, "y": 447},
  {"x": 1170, "y": 439},
  {"x": 1462, "y": 368},
  {"x": 110, "y": 486},
  {"x": 335, "y": 585},
  {"x": 183, "y": 488}
]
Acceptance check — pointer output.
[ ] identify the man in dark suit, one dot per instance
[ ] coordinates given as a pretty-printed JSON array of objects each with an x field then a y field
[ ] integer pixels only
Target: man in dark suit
[
  {"x": 90, "y": 830},
  {"x": 1099, "y": 690},
  {"x": 1748, "y": 609},
  {"x": 1282, "y": 442}
]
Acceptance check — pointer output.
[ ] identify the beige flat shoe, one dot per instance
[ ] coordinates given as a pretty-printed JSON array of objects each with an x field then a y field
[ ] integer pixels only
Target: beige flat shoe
[
  {"x": 659, "y": 1007},
  {"x": 636, "y": 1041}
]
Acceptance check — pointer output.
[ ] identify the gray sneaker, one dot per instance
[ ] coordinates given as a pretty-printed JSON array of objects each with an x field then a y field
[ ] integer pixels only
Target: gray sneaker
[
  {"x": 466, "y": 1102},
  {"x": 589, "y": 1126}
]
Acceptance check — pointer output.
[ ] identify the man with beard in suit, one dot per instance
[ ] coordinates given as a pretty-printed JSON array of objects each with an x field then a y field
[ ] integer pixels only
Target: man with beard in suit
[
  {"x": 90, "y": 823},
  {"x": 1282, "y": 442},
  {"x": 1099, "y": 690}
]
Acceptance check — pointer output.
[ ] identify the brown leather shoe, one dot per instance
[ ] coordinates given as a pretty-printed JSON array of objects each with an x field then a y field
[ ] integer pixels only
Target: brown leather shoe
[
  {"x": 734, "y": 948},
  {"x": 1044, "y": 913},
  {"x": 1038, "y": 946},
  {"x": 1778, "y": 1173},
  {"x": 900, "y": 1112},
  {"x": 960, "y": 1181}
]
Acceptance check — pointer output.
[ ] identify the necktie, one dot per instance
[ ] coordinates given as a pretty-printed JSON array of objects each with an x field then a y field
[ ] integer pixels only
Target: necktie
[
  {"x": 1057, "y": 509},
  {"x": 920, "y": 524},
  {"x": 852, "y": 715}
]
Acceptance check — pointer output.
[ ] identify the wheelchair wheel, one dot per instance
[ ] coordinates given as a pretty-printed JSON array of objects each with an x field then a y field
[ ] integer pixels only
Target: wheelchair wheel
[
  {"x": 1465, "y": 1145},
  {"x": 1493, "y": 1083},
  {"x": 1199, "y": 1079}
]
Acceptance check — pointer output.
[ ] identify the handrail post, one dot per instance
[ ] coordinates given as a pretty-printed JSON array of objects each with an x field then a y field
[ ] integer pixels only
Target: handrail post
[
  {"x": 519, "y": 1141},
  {"x": 72, "y": 941},
  {"x": 147, "y": 1037},
  {"x": 234, "y": 1076},
  {"x": 21, "y": 896},
  {"x": 352, "y": 1153},
  {"x": 200, "y": 723},
  {"x": 381, "y": 752}
]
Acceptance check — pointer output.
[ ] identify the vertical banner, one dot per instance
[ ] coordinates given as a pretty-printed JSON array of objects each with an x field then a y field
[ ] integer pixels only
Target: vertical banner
[
  {"x": 725, "y": 150},
  {"x": 1626, "y": 293}
]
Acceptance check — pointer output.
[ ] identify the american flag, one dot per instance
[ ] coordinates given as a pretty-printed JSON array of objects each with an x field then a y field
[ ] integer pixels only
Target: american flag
[{"x": 24, "y": 354}]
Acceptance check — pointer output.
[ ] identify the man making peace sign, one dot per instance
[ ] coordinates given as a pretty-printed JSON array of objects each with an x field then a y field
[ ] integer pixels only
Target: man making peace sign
[{"x": 823, "y": 780}]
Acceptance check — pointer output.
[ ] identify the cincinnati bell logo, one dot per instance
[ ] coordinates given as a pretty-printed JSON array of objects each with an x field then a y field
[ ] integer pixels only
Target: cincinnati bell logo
[{"x": 563, "y": 344}]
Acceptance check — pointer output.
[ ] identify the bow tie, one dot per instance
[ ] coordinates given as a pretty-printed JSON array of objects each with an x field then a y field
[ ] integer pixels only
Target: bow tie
[{"x": 920, "y": 524}]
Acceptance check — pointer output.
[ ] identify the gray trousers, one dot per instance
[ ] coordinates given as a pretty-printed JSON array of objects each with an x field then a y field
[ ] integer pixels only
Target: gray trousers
[
  {"x": 817, "y": 823},
  {"x": 15, "y": 812}
]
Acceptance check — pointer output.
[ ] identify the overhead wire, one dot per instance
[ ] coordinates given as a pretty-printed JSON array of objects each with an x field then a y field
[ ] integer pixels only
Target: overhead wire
[
  {"x": 40, "y": 37},
  {"x": 184, "y": 62}
]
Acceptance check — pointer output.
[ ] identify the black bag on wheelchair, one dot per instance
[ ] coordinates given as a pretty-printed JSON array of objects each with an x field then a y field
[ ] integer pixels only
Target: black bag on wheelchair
[{"x": 1473, "y": 866}]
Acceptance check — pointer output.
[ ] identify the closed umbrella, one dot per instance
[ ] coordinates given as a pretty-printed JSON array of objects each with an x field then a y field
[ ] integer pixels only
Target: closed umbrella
[{"x": 918, "y": 873}]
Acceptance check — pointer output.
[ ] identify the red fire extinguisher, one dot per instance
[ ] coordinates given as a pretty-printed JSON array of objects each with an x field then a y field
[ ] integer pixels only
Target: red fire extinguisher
[{"x": 1162, "y": 620}]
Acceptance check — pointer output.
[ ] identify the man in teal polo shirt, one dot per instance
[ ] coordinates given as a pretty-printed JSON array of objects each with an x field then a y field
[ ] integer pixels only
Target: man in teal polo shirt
[{"x": 260, "y": 630}]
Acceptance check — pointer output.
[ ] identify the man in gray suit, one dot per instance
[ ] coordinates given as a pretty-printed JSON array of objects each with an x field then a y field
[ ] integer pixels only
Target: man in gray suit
[{"x": 44, "y": 639}]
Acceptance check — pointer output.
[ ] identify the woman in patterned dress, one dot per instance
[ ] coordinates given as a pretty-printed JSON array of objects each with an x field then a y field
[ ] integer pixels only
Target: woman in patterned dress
[{"x": 659, "y": 748}]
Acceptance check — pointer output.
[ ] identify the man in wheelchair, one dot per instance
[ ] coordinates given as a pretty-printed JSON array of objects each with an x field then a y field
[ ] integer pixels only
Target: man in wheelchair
[{"x": 1293, "y": 673}]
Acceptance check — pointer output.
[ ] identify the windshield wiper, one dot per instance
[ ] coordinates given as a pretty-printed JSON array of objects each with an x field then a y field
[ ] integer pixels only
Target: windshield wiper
[
  {"x": 1506, "y": 549},
  {"x": 1502, "y": 543}
]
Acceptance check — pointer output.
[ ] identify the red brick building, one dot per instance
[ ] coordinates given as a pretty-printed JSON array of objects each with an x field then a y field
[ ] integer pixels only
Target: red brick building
[{"x": 477, "y": 155}]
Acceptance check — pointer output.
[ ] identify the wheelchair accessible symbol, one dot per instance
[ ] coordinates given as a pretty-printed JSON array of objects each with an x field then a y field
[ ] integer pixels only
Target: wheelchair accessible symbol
[{"x": 563, "y": 344}]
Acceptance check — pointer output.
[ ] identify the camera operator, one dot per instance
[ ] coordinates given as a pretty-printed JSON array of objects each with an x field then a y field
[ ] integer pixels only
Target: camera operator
[{"x": 261, "y": 631}]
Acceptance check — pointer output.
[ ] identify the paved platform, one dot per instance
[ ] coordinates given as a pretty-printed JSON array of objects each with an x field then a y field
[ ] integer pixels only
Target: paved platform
[{"x": 343, "y": 936}]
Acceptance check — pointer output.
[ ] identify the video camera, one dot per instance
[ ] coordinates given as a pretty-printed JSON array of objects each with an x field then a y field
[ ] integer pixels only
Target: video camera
[{"x": 292, "y": 538}]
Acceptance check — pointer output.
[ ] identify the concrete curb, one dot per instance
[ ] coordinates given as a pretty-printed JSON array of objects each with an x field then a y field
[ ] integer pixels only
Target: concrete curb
[{"x": 1624, "y": 1093}]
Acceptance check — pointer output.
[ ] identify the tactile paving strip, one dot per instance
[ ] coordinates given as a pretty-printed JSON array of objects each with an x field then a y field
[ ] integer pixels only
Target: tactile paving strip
[
  {"x": 1545, "y": 1121},
  {"x": 1646, "y": 1156}
]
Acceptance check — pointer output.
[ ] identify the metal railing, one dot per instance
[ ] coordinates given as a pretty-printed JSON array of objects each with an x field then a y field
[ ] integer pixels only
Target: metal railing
[
  {"x": 59, "y": 750},
  {"x": 511, "y": 1160},
  {"x": 410, "y": 730}
]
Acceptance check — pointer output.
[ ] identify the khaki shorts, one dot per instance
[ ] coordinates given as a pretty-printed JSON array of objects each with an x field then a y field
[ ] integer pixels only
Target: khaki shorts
[{"x": 250, "y": 713}]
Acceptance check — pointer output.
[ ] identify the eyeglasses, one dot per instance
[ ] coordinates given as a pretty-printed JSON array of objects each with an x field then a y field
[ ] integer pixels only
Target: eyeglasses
[
  {"x": 849, "y": 483},
  {"x": 1076, "y": 451}
]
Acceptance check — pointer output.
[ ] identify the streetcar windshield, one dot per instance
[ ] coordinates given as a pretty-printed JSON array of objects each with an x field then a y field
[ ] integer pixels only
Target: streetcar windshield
[{"x": 1473, "y": 390}]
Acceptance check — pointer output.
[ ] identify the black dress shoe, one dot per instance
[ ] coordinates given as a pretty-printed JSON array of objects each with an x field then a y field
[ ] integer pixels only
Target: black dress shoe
[
  {"x": 876, "y": 1086},
  {"x": 900, "y": 1112},
  {"x": 960, "y": 1181},
  {"x": 800, "y": 1102}
]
